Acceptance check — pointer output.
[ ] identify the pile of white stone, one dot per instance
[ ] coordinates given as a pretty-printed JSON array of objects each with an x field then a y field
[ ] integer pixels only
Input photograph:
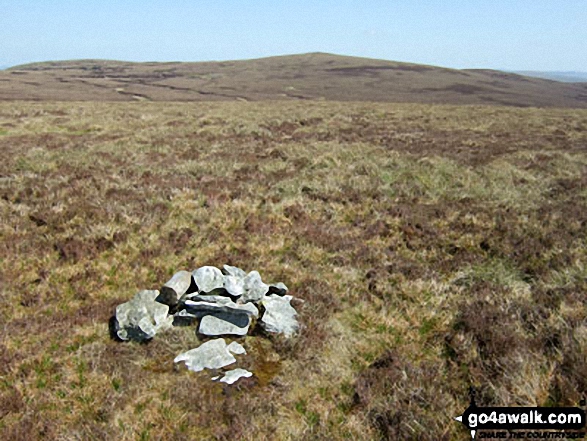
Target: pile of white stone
[{"x": 220, "y": 303}]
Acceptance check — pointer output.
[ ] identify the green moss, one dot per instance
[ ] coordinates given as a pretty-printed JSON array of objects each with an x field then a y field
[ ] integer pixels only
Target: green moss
[{"x": 427, "y": 326}]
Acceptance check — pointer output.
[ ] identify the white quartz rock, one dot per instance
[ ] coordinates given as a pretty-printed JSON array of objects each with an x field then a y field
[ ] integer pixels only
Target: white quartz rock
[
  {"x": 234, "y": 271},
  {"x": 236, "y": 348},
  {"x": 234, "y": 375},
  {"x": 208, "y": 278},
  {"x": 279, "y": 316},
  {"x": 142, "y": 317},
  {"x": 255, "y": 289},
  {"x": 234, "y": 286},
  {"x": 175, "y": 288},
  {"x": 213, "y": 354}
]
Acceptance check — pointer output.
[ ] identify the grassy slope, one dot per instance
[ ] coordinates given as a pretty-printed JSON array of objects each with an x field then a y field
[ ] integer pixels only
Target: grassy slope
[
  {"x": 435, "y": 248},
  {"x": 294, "y": 77}
]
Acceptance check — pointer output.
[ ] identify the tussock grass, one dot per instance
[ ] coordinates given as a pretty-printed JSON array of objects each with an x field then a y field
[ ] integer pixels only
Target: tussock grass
[{"x": 434, "y": 248}]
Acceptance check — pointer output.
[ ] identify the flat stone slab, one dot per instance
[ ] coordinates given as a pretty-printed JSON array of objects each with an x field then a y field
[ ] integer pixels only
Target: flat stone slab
[
  {"x": 234, "y": 375},
  {"x": 225, "y": 324},
  {"x": 213, "y": 354},
  {"x": 212, "y": 298},
  {"x": 279, "y": 316},
  {"x": 204, "y": 305},
  {"x": 142, "y": 317}
]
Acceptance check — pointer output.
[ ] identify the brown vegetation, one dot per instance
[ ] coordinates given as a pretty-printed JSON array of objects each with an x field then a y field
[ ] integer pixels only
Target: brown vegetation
[
  {"x": 315, "y": 76},
  {"x": 434, "y": 248}
]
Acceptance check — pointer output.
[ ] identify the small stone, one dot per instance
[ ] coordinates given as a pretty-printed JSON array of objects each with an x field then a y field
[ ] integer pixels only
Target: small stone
[
  {"x": 234, "y": 375},
  {"x": 234, "y": 286},
  {"x": 175, "y": 288},
  {"x": 236, "y": 348},
  {"x": 278, "y": 288},
  {"x": 225, "y": 324},
  {"x": 234, "y": 271},
  {"x": 142, "y": 317},
  {"x": 208, "y": 279},
  {"x": 279, "y": 316},
  {"x": 255, "y": 289},
  {"x": 213, "y": 354}
]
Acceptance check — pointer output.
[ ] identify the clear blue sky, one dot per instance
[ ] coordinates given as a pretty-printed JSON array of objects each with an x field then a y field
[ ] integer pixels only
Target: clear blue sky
[{"x": 501, "y": 34}]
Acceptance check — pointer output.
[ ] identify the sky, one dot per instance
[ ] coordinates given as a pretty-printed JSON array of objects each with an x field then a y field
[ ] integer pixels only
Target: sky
[{"x": 498, "y": 34}]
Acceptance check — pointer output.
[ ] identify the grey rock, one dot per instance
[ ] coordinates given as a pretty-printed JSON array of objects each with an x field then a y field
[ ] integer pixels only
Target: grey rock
[
  {"x": 279, "y": 316},
  {"x": 175, "y": 288},
  {"x": 234, "y": 271},
  {"x": 234, "y": 375},
  {"x": 208, "y": 279},
  {"x": 211, "y": 298},
  {"x": 225, "y": 324},
  {"x": 255, "y": 289},
  {"x": 234, "y": 286},
  {"x": 197, "y": 305},
  {"x": 213, "y": 354},
  {"x": 236, "y": 348},
  {"x": 278, "y": 288},
  {"x": 142, "y": 317}
]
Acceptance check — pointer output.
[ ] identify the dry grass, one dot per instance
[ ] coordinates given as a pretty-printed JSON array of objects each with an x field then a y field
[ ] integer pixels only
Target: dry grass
[
  {"x": 434, "y": 247},
  {"x": 315, "y": 76}
]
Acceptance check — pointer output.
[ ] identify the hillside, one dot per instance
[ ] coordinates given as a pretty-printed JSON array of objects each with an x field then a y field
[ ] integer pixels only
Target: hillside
[{"x": 315, "y": 76}]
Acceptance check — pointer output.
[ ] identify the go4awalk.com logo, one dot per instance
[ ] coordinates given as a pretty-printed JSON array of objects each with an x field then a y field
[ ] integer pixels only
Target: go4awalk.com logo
[{"x": 523, "y": 422}]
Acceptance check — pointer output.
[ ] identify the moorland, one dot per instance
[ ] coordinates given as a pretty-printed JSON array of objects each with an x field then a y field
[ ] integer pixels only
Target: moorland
[
  {"x": 434, "y": 247},
  {"x": 315, "y": 76}
]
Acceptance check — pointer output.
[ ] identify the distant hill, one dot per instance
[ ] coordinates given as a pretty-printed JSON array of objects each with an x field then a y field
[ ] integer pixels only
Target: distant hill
[
  {"x": 566, "y": 77},
  {"x": 312, "y": 76}
]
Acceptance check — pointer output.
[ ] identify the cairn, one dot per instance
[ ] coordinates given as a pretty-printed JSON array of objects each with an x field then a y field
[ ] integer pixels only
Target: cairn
[{"x": 219, "y": 303}]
